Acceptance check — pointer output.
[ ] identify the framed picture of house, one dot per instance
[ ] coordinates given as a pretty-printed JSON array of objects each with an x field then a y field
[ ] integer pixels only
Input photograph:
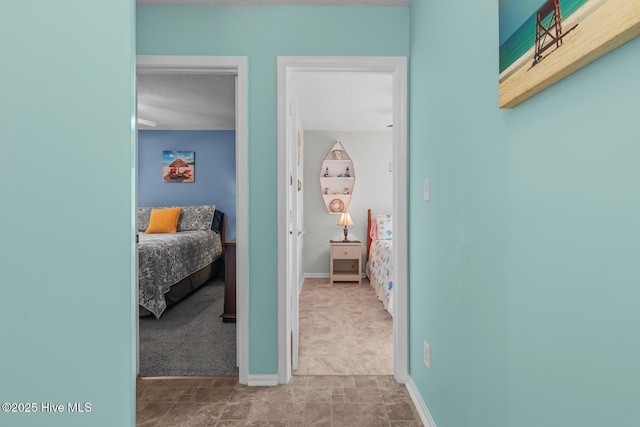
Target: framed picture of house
[
  {"x": 544, "y": 41},
  {"x": 178, "y": 166}
]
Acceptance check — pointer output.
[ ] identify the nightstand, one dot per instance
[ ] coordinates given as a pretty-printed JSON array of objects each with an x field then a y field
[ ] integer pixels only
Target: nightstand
[{"x": 346, "y": 261}]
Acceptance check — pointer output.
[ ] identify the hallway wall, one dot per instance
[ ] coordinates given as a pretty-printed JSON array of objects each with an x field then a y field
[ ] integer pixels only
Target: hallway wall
[{"x": 523, "y": 265}]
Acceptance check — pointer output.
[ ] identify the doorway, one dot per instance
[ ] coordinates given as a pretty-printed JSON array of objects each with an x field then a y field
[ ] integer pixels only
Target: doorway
[
  {"x": 229, "y": 66},
  {"x": 288, "y": 260}
]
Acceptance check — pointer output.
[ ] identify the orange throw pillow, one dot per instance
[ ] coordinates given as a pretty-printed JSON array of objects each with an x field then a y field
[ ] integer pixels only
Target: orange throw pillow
[{"x": 163, "y": 220}]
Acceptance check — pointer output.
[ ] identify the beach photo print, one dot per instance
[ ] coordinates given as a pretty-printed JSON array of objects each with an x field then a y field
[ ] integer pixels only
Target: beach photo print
[
  {"x": 544, "y": 41},
  {"x": 178, "y": 166}
]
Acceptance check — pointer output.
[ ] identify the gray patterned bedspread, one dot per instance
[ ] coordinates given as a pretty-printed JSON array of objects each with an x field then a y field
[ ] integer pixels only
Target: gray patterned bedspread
[{"x": 165, "y": 259}]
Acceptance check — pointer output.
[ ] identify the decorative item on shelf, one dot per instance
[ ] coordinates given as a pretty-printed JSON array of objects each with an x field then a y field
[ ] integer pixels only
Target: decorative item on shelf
[
  {"x": 346, "y": 190},
  {"x": 347, "y": 173},
  {"x": 326, "y": 190},
  {"x": 345, "y": 219},
  {"x": 337, "y": 154},
  {"x": 326, "y": 172},
  {"x": 336, "y": 205}
]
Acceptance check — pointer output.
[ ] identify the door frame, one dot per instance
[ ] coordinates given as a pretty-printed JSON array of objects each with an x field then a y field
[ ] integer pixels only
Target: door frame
[
  {"x": 397, "y": 68},
  {"x": 231, "y": 65}
]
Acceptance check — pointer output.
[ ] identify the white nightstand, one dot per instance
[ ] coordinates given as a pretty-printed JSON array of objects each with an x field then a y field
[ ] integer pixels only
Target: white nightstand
[{"x": 346, "y": 261}]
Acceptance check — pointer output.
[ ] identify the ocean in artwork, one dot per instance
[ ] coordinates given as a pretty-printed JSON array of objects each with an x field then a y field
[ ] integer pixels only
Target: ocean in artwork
[{"x": 523, "y": 39}]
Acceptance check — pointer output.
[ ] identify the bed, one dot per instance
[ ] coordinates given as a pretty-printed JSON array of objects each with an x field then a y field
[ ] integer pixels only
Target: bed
[
  {"x": 379, "y": 265},
  {"x": 172, "y": 265}
]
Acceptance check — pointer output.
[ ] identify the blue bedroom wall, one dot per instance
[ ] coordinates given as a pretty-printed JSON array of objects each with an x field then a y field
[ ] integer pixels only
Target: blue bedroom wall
[
  {"x": 261, "y": 34},
  {"x": 215, "y": 170},
  {"x": 524, "y": 263},
  {"x": 67, "y": 247}
]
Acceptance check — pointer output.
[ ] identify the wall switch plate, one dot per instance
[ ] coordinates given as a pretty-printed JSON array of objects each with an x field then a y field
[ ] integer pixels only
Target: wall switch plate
[
  {"x": 427, "y": 355},
  {"x": 426, "y": 189}
]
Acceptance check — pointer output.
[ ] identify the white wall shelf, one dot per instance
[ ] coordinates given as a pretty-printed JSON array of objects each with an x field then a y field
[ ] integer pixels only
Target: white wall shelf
[{"x": 337, "y": 179}]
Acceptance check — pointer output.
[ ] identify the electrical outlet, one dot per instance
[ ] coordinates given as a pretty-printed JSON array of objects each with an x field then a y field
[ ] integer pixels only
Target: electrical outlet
[{"x": 427, "y": 355}]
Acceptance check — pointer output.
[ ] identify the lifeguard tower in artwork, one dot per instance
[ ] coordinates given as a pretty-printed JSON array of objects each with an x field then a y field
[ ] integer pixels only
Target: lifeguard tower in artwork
[{"x": 548, "y": 28}]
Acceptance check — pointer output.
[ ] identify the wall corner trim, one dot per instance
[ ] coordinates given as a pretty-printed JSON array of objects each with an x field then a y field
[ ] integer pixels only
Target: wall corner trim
[
  {"x": 262, "y": 380},
  {"x": 421, "y": 406}
]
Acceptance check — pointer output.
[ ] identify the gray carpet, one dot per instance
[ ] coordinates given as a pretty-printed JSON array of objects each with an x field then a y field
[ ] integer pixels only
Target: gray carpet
[{"x": 190, "y": 339}]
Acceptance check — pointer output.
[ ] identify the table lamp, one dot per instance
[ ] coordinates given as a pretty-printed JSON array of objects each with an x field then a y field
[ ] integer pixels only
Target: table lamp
[{"x": 345, "y": 219}]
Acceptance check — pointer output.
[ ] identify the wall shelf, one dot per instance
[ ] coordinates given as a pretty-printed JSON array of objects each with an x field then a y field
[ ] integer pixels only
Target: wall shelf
[{"x": 336, "y": 188}]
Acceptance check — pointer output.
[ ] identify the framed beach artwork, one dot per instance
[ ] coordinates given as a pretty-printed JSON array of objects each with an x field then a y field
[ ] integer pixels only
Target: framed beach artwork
[
  {"x": 544, "y": 41},
  {"x": 178, "y": 166}
]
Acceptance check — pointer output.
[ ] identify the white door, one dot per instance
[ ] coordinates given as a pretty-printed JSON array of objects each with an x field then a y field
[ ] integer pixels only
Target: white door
[{"x": 295, "y": 232}]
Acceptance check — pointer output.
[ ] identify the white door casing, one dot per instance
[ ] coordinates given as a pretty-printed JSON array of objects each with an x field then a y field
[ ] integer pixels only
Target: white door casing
[
  {"x": 231, "y": 65},
  {"x": 397, "y": 68}
]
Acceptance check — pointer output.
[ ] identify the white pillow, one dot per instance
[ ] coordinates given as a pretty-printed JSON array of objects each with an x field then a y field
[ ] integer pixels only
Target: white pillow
[{"x": 385, "y": 227}]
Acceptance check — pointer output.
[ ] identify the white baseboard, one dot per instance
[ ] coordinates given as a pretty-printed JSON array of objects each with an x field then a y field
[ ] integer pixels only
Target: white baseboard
[
  {"x": 262, "y": 380},
  {"x": 421, "y": 407},
  {"x": 316, "y": 275},
  {"x": 322, "y": 275}
]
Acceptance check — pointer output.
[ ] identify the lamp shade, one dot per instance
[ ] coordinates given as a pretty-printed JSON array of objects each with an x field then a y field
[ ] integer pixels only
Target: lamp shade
[{"x": 345, "y": 219}]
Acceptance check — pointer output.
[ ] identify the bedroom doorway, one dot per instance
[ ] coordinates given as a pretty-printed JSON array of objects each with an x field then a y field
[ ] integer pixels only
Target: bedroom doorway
[
  {"x": 289, "y": 228},
  {"x": 233, "y": 71}
]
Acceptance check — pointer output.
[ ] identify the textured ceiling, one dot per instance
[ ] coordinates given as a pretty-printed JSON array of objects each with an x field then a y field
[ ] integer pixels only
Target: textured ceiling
[
  {"x": 187, "y": 101},
  {"x": 276, "y": 2},
  {"x": 343, "y": 101}
]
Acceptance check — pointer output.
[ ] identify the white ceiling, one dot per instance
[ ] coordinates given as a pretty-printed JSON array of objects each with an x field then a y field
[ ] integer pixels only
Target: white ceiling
[
  {"x": 339, "y": 101},
  {"x": 345, "y": 101},
  {"x": 187, "y": 101},
  {"x": 276, "y": 2}
]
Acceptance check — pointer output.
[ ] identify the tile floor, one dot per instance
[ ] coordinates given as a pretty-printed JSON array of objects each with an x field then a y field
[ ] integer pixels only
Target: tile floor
[
  {"x": 331, "y": 401},
  {"x": 344, "y": 330},
  {"x": 344, "y": 378}
]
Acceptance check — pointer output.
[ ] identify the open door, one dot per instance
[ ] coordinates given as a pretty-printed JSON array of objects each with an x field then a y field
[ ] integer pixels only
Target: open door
[
  {"x": 296, "y": 233},
  {"x": 288, "y": 225}
]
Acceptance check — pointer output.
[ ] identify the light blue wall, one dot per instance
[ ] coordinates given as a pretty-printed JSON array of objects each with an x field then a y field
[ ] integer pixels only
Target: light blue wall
[
  {"x": 524, "y": 264},
  {"x": 66, "y": 241},
  {"x": 261, "y": 34},
  {"x": 215, "y": 170}
]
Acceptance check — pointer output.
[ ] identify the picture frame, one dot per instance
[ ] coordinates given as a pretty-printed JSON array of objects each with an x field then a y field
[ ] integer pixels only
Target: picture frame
[
  {"x": 178, "y": 166},
  {"x": 556, "y": 39}
]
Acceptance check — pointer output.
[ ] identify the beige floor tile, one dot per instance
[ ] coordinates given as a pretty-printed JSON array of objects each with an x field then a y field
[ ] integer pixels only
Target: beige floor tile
[
  {"x": 320, "y": 400},
  {"x": 149, "y": 414},
  {"x": 369, "y": 366},
  {"x": 192, "y": 415},
  {"x": 362, "y": 395},
  {"x": 400, "y": 411},
  {"x": 317, "y": 414},
  {"x": 339, "y": 314},
  {"x": 328, "y": 365},
  {"x": 359, "y": 414}
]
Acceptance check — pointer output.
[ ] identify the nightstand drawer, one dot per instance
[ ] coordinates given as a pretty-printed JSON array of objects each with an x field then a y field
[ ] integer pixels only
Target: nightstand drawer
[{"x": 345, "y": 251}]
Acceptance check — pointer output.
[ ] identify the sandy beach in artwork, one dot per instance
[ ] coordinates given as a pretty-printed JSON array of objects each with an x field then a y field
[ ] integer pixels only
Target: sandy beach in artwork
[
  {"x": 603, "y": 25},
  {"x": 185, "y": 175}
]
